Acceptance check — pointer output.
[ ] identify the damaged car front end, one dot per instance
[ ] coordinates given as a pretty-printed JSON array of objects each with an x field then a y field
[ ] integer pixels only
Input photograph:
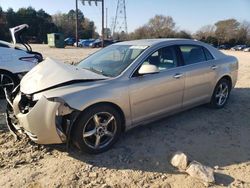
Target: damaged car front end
[
  {"x": 45, "y": 121},
  {"x": 44, "y": 118}
]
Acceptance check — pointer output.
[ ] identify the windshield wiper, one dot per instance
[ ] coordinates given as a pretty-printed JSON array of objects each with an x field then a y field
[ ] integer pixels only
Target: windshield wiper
[{"x": 97, "y": 71}]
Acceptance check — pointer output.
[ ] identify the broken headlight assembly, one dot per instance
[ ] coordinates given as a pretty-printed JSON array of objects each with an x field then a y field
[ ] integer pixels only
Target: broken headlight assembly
[{"x": 26, "y": 103}]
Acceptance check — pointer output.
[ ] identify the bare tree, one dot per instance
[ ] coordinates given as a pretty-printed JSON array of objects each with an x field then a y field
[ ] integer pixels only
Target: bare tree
[
  {"x": 140, "y": 33},
  {"x": 243, "y": 33},
  {"x": 183, "y": 34},
  {"x": 204, "y": 32},
  {"x": 161, "y": 26},
  {"x": 158, "y": 27},
  {"x": 66, "y": 24},
  {"x": 226, "y": 30}
]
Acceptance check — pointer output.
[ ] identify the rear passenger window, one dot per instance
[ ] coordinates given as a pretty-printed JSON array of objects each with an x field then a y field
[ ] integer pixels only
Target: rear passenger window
[
  {"x": 192, "y": 54},
  {"x": 208, "y": 54}
]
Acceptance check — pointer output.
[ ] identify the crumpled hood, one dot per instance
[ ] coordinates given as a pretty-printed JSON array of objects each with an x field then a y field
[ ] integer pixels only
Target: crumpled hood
[{"x": 50, "y": 74}]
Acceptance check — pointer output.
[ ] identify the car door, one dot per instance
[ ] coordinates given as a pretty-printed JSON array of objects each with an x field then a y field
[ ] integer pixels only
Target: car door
[
  {"x": 200, "y": 73},
  {"x": 154, "y": 94}
]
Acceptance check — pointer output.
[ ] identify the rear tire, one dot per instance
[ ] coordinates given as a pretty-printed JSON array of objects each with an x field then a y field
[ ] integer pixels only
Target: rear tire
[
  {"x": 221, "y": 94},
  {"x": 7, "y": 80},
  {"x": 97, "y": 129}
]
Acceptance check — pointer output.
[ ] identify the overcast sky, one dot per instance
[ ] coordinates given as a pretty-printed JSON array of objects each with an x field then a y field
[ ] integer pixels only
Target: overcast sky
[{"x": 189, "y": 15}]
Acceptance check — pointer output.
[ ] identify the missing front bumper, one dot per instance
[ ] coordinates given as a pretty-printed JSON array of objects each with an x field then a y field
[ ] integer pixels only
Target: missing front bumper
[
  {"x": 48, "y": 121},
  {"x": 38, "y": 123}
]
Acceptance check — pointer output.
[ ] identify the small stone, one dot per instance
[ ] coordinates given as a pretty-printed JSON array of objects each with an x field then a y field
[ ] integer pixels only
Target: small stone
[
  {"x": 74, "y": 177},
  {"x": 206, "y": 184},
  {"x": 21, "y": 161},
  {"x": 49, "y": 153},
  {"x": 167, "y": 185},
  {"x": 106, "y": 186},
  {"x": 163, "y": 177},
  {"x": 216, "y": 167},
  {"x": 180, "y": 161},
  {"x": 93, "y": 174},
  {"x": 104, "y": 168},
  {"x": 201, "y": 172},
  {"x": 88, "y": 167}
]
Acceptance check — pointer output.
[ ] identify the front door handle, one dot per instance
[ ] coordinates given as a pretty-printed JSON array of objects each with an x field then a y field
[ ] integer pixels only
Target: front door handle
[
  {"x": 214, "y": 67},
  {"x": 178, "y": 75}
]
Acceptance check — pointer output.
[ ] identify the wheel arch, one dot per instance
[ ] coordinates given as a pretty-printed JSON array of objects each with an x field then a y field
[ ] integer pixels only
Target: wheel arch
[
  {"x": 228, "y": 78},
  {"x": 7, "y": 71},
  {"x": 15, "y": 76},
  {"x": 113, "y": 105}
]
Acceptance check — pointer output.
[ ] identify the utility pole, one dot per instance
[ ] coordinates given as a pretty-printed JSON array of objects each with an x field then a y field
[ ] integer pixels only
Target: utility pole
[
  {"x": 96, "y": 1},
  {"x": 76, "y": 23},
  {"x": 107, "y": 23},
  {"x": 103, "y": 23}
]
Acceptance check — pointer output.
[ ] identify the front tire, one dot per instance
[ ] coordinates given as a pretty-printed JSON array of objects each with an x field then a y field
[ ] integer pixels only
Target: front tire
[
  {"x": 97, "y": 129},
  {"x": 8, "y": 81},
  {"x": 221, "y": 94}
]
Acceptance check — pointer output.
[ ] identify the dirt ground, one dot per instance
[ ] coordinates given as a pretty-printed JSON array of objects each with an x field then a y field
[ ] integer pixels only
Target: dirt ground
[{"x": 141, "y": 157}]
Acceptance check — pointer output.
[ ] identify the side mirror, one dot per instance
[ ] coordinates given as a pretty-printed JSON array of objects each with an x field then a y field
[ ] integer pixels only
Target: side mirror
[{"x": 148, "y": 69}]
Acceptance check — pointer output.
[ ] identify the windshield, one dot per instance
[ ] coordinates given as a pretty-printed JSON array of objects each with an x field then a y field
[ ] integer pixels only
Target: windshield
[{"x": 113, "y": 60}]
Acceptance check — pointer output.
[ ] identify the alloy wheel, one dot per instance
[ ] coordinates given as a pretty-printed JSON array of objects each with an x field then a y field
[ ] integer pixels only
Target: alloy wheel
[
  {"x": 222, "y": 94},
  {"x": 99, "y": 130}
]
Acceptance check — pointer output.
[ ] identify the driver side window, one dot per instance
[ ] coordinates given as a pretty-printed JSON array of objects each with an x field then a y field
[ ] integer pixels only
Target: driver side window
[{"x": 164, "y": 59}]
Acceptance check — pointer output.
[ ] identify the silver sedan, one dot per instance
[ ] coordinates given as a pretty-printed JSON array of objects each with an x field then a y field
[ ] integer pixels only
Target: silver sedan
[{"x": 117, "y": 88}]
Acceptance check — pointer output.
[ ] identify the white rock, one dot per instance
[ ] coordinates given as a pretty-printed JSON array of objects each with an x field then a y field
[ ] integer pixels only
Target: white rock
[
  {"x": 93, "y": 174},
  {"x": 201, "y": 172},
  {"x": 180, "y": 161},
  {"x": 216, "y": 167}
]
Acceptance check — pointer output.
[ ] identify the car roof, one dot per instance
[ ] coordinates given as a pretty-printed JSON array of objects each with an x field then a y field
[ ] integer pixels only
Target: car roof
[
  {"x": 172, "y": 41},
  {"x": 152, "y": 42}
]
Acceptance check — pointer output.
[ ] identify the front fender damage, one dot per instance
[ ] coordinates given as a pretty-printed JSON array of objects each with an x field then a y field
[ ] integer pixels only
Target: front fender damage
[
  {"x": 65, "y": 119},
  {"x": 40, "y": 118}
]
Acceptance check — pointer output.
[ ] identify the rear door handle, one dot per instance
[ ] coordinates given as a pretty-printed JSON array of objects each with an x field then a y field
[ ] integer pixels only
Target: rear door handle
[
  {"x": 214, "y": 67},
  {"x": 178, "y": 75}
]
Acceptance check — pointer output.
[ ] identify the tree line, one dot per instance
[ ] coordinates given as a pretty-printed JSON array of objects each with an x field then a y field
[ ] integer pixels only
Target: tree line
[
  {"x": 41, "y": 23},
  {"x": 229, "y": 31},
  {"x": 159, "y": 26}
]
